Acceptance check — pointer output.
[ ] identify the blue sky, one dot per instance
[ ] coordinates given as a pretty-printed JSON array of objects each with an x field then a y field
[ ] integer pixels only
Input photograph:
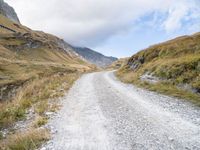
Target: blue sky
[
  {"x": 145, "y": 33},
  {"x": 116, "y": 28}
]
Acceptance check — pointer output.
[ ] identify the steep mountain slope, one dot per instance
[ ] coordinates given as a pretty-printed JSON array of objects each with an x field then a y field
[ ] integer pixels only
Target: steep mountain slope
[
  {"x": 95, "y": 57},
  {"x": 25, "y": 53},
  {"x": 35, "y": 69},
  {"x": 33, "y": 65},
  {"x": 8, "y": 11},
  {"x": 172, "y": 67}
]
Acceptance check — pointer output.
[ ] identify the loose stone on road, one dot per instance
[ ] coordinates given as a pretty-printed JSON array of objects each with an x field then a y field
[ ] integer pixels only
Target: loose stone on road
[{"x": 101, "y": 113}]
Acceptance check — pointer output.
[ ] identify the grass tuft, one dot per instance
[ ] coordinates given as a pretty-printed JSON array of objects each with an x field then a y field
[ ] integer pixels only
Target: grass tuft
[
  {"x": 29, "y": 140},
  {"x": 40, "y": 121},
  {"x": 35, "y": 92}
]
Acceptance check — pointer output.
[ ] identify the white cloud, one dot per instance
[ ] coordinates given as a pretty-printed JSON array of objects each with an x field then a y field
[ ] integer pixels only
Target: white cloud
[
  {"x": 89, "y": 22},
  {"x": 180, "y": 11}
]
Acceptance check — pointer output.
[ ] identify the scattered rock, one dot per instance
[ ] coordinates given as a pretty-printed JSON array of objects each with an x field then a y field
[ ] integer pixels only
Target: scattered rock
[
  {"x": 43, "y": 148},
  {"x": 49, "y": 113},
  {"x": 171, "y": 139},
  {"x": 149, "y": 78}
]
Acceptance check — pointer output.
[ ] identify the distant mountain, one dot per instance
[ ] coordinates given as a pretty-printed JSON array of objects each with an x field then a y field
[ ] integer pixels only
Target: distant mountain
[
  {"x": 8, "y": 12},
  {"x": 94, "y": 57}
]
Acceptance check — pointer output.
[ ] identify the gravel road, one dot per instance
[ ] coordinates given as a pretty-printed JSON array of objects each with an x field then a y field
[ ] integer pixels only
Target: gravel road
[{"x": 101, "y": 113}]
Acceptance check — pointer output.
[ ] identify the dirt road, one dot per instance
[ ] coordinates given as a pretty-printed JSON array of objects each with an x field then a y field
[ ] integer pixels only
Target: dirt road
[{"x": 101, "y": 113}]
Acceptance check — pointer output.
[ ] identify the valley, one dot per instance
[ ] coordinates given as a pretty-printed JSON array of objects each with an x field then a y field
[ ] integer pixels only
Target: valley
[{"x": 59, "y": 96}]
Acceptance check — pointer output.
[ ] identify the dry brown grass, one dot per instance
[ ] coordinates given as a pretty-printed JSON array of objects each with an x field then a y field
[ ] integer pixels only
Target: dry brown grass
[
  {"x": 161, "y": 87},
  {"x": 36, "y": 92},
  {"x": 8, "y": 23},
  {"x": 30, "y": 140},
  {"x": 40, "y": 121},
  {"x": 42, "y": 74},
  {"x": 118, "y": 64}
]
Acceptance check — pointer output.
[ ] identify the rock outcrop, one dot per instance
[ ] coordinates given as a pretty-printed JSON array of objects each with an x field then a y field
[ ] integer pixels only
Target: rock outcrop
[{"x": 8, "y": 11}]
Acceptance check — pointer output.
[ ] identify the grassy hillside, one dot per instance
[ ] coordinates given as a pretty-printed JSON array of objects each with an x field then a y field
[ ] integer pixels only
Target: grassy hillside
[
  {"x": 27, "y": 54},
  {"x": 35, "y": 67},
  {"x": 174, "y": 65}
]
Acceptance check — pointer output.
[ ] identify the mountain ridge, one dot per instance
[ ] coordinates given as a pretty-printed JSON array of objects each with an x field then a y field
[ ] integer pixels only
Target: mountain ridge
[
  {"x": 95, "y": 57},
  {"x": 8, "y": 11}
]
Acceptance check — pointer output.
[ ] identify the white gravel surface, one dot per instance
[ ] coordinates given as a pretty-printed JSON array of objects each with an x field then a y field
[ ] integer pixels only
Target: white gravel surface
[{"x": 101, "y": 113}]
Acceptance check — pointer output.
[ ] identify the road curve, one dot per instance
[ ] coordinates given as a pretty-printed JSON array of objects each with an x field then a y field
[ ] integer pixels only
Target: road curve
[{"x": 101, "y": 113}]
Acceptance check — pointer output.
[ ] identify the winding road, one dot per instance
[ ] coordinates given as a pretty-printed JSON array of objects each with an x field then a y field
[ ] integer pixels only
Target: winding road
[{"x": 101, "y": 113}]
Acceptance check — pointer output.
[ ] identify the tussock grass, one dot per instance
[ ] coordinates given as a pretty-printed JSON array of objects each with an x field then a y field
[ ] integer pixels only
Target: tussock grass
[
  {"x": 35, "y": 92},
  {"x": 40, "y": 121},
  {"x": 30, "y": 140}
]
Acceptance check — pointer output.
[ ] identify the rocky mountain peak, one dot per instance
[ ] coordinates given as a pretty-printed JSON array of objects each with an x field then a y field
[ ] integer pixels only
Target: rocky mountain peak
[{"x": 8, "y": 11}]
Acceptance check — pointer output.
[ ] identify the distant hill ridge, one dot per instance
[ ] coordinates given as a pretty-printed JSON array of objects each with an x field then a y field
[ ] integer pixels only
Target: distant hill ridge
[{"x": 94, "y": 57}]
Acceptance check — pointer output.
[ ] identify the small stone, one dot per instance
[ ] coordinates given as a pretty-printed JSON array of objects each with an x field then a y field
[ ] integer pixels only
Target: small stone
[
  {"x": 119, "y": 133},
  {"x": 44, "y": 148},
  {"x": 54, "y": 131},
  {"x": 49, "y": 113},
  {"x": 170, "y": 138},
  {"x": 187, "y": 148}
]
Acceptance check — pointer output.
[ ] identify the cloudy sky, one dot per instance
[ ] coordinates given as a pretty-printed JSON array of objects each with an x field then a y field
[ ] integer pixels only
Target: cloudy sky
[{"x": 114, "y": 27}]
